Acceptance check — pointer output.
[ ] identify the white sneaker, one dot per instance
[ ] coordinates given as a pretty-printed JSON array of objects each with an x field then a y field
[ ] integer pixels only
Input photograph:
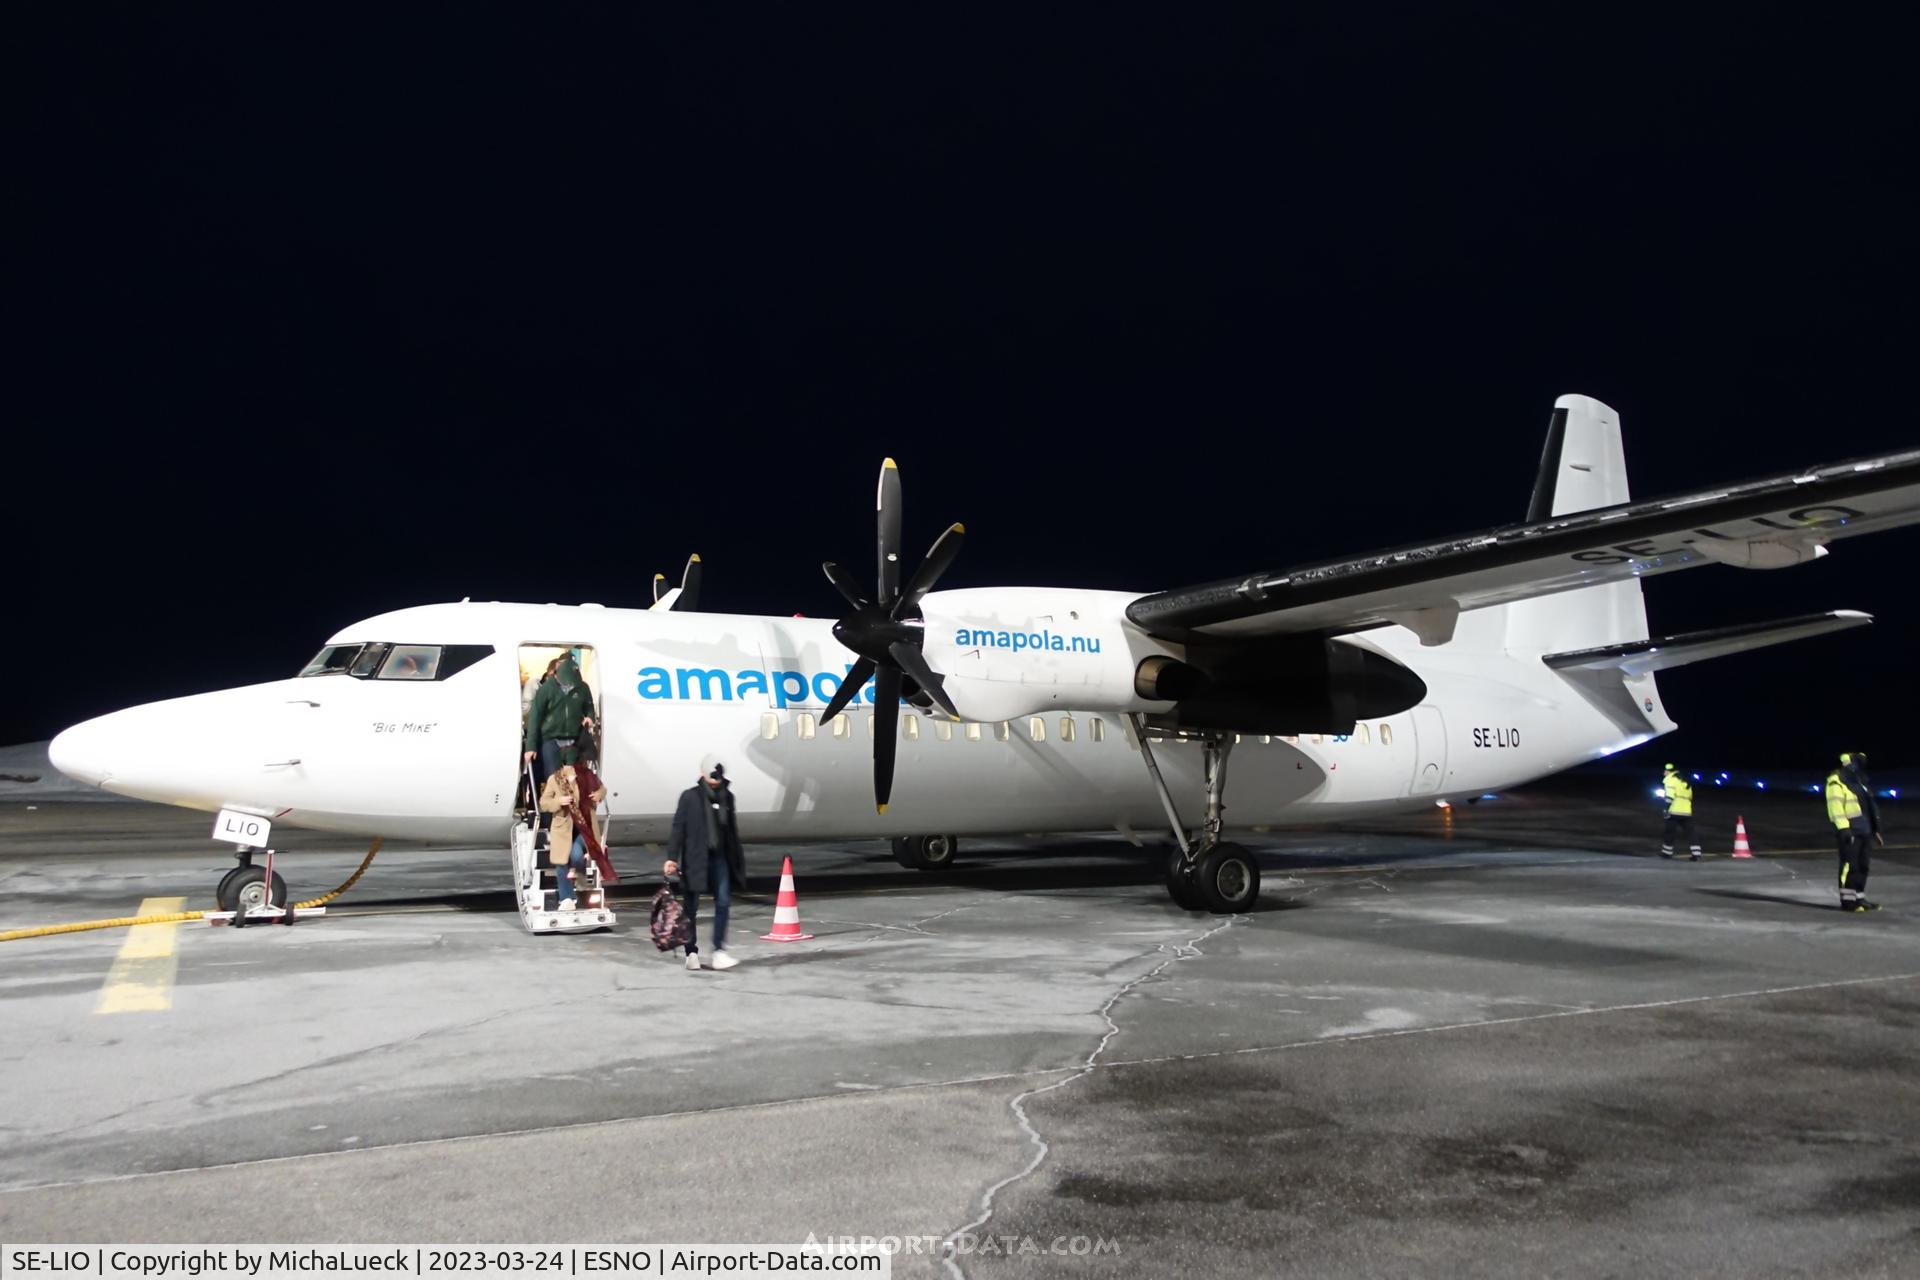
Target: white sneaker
[
  {"x": 568, "y": 905},
  {"x": 721, "y": 960},
  {"x": 693, "y": 962}
]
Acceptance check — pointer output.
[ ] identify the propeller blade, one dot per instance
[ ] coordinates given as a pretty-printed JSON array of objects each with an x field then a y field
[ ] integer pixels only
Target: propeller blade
[
  {"x": 944, "y": 549},
  {"x": 887, "y": 506},
  {"x": 840, "y": 578},
  {"x": 915, "y": 665},
  {"x": 659, "y": 586},
  {"x": 689, "y": 599},
  {"x": 886, "y": 733},
  {"x": 849, "y": 688}
]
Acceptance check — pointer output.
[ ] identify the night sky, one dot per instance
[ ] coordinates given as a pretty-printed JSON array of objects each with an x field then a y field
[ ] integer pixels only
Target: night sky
[{"x": 319, "y": 312}]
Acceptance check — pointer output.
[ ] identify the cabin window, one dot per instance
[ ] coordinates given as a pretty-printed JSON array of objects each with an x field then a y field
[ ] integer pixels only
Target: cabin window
[
  {"x": 1316, "y": 739},
  {"x": 769, "y": 725},
  {"x": 873, "y": 730},
  {"x": 910, "y": 728},
  {"x": 1360, "y": 734},
  {"x": 805, "y": 723},
  {"x": 842, "y": 726},
  {"x": 1098, "y": 728},
  {"x": 943, "y": 730},
  {"x": 1386, "y": 734},
  {"x": 1003, "y": 731},
  {"x": 1291, "y": 740},
  {"x": 973, "y": 731},
  {"x": 1066, "y": 728},
  {"x": 1037, "y": 728},
  {"x": 1266, "y": 739}
]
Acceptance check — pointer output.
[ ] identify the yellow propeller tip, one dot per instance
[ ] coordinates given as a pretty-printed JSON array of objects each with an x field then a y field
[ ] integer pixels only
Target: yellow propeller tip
[
  {"x": 889, "y": 465},
  {"x": 958, "y": 527},
  {"x": 659, "y": 577},
  {"x": 696, "y": 557},
  {"x": 882, "y": 808}
]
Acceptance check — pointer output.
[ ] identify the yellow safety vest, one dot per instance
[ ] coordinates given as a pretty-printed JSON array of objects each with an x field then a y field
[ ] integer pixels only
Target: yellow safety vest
[
  {"x": 1679, "y": 796},
  {"x": 1843, "y": 806}
]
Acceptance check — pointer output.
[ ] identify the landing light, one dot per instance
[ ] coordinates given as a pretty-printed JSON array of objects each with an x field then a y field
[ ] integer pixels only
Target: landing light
[{"x": 1761, "y": 785}]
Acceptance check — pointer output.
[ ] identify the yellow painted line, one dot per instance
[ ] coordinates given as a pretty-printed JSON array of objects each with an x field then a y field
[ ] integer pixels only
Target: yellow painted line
[{"x": 141, "y": 980}]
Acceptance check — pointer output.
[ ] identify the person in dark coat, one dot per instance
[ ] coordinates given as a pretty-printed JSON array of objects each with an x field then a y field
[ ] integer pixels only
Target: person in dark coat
[
  {"x": 705, "y": 845},
  {"x": 562, "y": 708}
]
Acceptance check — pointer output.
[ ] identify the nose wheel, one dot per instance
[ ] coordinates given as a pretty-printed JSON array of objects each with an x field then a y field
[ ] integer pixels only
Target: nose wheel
[{"x": 245, "y": 887}]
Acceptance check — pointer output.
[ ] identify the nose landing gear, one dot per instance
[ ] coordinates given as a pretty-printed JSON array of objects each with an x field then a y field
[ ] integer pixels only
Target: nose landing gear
[
  {"x": 245, "y": 888},
  {"x": 1206, "y": 872}
]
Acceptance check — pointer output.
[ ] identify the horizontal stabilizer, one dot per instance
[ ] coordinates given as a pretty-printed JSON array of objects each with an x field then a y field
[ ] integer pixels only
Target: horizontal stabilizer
[{"x": 1662, "y": 652}]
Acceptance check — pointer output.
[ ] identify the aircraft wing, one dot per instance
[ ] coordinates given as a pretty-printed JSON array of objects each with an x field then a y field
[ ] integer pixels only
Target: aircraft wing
[{"x": 1762, "y": 524}]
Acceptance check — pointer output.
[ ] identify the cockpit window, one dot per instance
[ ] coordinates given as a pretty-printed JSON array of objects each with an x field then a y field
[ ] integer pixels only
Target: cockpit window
[
  {"x": 411, "y": 662},
  {"x": 333, "y": 660},
  {"x": 369, "y": 660},
  {"x": 383, "y": 660}
]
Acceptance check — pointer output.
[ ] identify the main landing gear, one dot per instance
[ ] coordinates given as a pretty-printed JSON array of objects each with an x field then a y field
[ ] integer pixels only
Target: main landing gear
[
  {"x": 245, "y": 887},
  {"x": 925, "y": 853},
  {"x": 1206, "y": 872}
]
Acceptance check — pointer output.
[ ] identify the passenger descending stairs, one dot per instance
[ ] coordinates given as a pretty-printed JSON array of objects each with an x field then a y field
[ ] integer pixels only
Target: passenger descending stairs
[{"x": 533, "y": 885}]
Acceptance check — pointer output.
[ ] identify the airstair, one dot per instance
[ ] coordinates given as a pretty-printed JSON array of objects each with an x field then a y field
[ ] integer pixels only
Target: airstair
[{"x": 533, "y": 880}]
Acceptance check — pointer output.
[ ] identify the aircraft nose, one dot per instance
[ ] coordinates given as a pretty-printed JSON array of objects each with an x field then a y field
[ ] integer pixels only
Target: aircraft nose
[{"x": 80, "y": 753}]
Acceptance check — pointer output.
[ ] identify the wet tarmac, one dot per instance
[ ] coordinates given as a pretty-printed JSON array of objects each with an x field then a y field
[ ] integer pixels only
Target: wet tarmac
[{"x": 1502, "y": 1039}]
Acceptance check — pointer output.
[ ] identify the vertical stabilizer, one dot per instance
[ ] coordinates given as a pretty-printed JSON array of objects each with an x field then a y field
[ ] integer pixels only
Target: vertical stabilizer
[{"x": 1583, "y": 466}]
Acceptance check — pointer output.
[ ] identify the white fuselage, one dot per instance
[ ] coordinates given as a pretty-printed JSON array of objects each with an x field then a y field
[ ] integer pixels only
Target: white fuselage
[{"x": 441, "y": 760}]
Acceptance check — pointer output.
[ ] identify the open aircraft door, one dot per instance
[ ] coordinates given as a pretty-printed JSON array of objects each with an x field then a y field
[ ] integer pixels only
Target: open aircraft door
[{"x": 1430, "y": 750}]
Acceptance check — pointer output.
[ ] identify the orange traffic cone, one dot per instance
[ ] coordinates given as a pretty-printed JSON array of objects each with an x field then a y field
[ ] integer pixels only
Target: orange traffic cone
[
  {"x": 1740, "y": 848},
  {"x": 786, "y": 910}
]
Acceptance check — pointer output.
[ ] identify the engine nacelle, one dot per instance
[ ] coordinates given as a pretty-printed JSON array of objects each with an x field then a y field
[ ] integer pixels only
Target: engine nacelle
[
  {"x": 1293, "y": 684},
  {"x": 1015, "y": 651}
]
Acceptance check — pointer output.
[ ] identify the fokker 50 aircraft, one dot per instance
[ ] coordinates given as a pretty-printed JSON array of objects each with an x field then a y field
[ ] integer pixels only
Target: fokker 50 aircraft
[{"x": 1340, "y": 689}]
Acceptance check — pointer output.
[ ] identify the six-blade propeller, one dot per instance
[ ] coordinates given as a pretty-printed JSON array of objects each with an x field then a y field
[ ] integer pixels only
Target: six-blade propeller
[{"x": 885, "y": 632}]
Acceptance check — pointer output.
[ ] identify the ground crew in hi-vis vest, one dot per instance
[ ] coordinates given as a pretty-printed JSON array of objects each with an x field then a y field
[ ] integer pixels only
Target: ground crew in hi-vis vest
[
  {"x": 1856, "y": 821},
  {"x": 1679, "y": 793}
]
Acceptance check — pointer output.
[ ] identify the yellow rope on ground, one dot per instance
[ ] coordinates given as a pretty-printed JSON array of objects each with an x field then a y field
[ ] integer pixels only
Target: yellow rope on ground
[
  {"x": 345, "y": 885},
  {"x": 122, "y": 922},
  {"x": 178, "y": 917}
]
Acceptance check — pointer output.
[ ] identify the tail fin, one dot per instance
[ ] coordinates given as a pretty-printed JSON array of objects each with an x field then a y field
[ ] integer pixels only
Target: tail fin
[{"x": 1583, "y": 466}]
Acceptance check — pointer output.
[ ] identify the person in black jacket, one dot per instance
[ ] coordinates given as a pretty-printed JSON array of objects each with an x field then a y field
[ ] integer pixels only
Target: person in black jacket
[{"x": 705, "y": 844}]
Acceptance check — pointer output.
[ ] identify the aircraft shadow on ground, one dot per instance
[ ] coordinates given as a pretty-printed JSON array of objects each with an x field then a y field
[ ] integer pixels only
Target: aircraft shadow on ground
[{"x": 1747, "y": 895}]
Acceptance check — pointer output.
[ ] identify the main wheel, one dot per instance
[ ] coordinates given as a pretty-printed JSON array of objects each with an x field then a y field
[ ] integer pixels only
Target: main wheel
[
  {"x": 1228, "y": 880},
  {"x": 925, "y": 853},
  {"x": 246, "y": 888},
  {"x": 1180, "y": 885}
]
